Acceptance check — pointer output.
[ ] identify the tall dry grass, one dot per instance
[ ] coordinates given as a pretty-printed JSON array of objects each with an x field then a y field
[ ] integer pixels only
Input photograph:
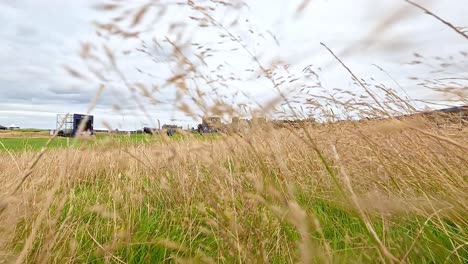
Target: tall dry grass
[
  {"x": 270, "y": 196},
  {"x": 380, "y": 190}
]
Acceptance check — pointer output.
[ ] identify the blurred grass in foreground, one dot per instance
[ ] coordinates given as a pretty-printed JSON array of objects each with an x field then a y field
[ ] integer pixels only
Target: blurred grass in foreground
[{"x": 268, "y": 196}]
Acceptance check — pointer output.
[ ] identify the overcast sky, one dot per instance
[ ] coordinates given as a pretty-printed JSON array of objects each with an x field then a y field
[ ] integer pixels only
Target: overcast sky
[{"x": 38, "y": 37}]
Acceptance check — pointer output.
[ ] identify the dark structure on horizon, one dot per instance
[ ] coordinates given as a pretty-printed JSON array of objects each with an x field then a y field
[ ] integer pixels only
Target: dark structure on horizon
[
  {"x": 452, "y": 113},
  {"x": 170, "y": 129},
  {"x": 69, "y": 124},
  {"x": 149, "y": 130},
  {"x": 210, "y": 124},
  {"x": 461, "y": 111}
]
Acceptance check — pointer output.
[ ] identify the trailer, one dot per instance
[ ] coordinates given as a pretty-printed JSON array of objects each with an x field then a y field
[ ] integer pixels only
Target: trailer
[{"x": 68, "y": 125}]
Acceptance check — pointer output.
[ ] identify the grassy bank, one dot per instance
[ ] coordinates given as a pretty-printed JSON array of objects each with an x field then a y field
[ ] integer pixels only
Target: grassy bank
[{"x": 355, "y": 193}]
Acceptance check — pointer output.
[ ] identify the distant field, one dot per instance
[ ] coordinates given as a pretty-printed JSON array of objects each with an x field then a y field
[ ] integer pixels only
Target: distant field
[
  {"x": 31, "y": 130},
  {"x": 29, "y": 143},
  {"x": 20, "y": 142}
]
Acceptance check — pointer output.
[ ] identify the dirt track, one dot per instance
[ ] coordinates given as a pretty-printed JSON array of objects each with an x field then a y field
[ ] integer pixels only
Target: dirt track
[{"x": 20, "y": 134}]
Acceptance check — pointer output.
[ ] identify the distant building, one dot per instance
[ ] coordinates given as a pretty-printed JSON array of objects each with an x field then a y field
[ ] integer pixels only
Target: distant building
[
  {"x": 13, "y": 127},
  {"x": 3, "y": 128}
]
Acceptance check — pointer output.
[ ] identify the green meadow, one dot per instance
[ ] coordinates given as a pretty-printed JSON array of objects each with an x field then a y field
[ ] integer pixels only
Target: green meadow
[{"x": 36, "y": 143}]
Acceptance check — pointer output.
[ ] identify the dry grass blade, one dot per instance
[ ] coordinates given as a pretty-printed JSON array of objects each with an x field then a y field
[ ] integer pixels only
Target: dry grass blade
[
  {"x": 102, "y": 248},
  {"x": 303, "y": 6},
  {"x": 381, "y": 108},
  {"x": 460, "y": 145},
  {"x": 74, "y": 73},
  {"x": 11, "y": 156},
  {"x": 385, "y": 252},
  {"x": 107, "y": 7},
  {"x": 140, "y": 14},
  {"x": 34, "y": 162},
  {"x": 417, "y": 236},
  {"x": 438, "y": 18},
  {"x": 29, "y": 241},
  {"x": 454, "y": 251}
]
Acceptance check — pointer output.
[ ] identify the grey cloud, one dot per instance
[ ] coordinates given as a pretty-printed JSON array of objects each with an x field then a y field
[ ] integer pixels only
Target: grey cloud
[{"x": 40, "y": 36}]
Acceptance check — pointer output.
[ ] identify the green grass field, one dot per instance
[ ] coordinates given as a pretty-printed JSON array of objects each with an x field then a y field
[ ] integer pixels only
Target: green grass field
[
  {"x": 36, "y": 143},
  {"x": 24, "y": 144}
]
